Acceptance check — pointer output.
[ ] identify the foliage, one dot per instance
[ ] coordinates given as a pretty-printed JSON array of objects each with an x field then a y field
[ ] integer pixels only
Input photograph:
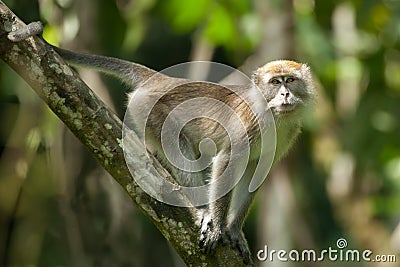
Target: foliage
[{"x": 343, "y": 177}]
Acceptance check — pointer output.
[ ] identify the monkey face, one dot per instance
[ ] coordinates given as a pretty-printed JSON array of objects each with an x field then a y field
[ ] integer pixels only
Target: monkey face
[
  {"x": 283, "y": 94},
  {"x": 286, "y": 85}
]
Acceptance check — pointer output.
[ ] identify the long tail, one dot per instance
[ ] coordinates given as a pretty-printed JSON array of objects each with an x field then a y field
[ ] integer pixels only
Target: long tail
[{"x": 128, "y": 71}]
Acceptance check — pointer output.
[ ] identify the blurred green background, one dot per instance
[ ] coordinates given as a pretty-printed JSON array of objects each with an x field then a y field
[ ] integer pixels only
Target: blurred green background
[{"x": 58, "y": 207}]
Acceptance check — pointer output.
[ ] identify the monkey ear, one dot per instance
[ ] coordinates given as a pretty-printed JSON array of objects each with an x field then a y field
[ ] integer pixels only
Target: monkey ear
[
  {"x": 306, "y": 70},
  {"x": 255, "y": 78}
]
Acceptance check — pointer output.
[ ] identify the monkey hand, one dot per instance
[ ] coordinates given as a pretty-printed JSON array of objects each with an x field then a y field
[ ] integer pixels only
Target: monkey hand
[
  {"x": 210, "y": 234},
  {"x": 235, "y": 237}
]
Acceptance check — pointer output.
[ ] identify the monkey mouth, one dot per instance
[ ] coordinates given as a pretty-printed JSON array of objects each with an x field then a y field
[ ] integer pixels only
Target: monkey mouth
[{"x": 285, "y": 108}]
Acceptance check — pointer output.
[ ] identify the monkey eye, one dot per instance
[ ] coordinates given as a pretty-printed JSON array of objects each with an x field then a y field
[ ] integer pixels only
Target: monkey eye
[
  {"x": 290, "y": 79},
  {"x": 275, "y": 81}
]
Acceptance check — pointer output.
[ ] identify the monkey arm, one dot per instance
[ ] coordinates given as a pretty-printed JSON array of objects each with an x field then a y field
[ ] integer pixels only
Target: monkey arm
[{"x": 224, "y": 218}]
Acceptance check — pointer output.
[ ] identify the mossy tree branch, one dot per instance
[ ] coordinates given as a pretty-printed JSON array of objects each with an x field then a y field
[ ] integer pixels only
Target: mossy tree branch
[{"x": 100, "y": 130}]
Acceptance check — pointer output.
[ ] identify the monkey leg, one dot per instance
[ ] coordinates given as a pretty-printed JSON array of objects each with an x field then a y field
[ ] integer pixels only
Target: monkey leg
[
  {"x": 237, "y": 214},
  {"x": 214, "y": 219},
  {"x": 237, "y": 240},
  {"x": 213, "y": 224}
]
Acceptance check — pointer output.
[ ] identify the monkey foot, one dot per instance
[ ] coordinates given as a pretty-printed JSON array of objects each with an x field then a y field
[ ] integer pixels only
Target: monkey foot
[
  {"x": 236, "y": 238},
  {"x": 210, "y": 235}
]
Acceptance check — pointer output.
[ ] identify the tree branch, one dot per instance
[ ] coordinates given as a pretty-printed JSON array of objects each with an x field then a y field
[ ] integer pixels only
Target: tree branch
[{"x": 100, "y": 130}]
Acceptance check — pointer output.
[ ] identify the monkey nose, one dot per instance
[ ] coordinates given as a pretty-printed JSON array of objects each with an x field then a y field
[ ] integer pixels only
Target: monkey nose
[{"x": 284, "y": 92}]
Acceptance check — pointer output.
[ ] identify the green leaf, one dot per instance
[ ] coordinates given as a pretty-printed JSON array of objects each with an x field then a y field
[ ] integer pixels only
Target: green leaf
[
  {"x": 186, "y": 15},
  {"x": 220, "y": 28}
]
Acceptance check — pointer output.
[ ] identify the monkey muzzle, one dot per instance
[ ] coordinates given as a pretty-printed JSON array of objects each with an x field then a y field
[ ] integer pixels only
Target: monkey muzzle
[
  {"x": 285, "y": 108},
  {"x": 282, "y": 106}
]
